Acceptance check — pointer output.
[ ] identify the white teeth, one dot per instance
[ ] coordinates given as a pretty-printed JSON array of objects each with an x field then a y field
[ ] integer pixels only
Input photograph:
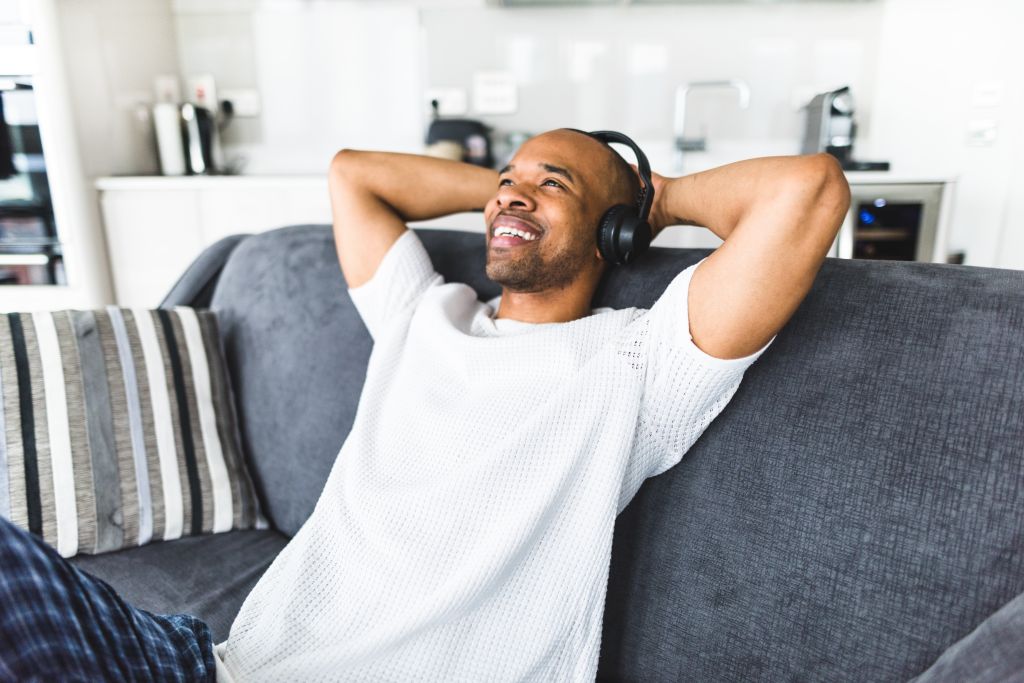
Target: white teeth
[{"x": 517, "y": 233}]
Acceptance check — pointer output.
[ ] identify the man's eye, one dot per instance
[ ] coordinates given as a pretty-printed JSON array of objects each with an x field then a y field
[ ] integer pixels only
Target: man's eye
[
  {"x": 553, "y": 182},
  {"x": 504, "y": 181}
]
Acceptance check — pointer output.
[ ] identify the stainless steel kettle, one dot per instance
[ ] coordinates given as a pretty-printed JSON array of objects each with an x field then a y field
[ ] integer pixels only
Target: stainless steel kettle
[{"x": 188, "y": 142}]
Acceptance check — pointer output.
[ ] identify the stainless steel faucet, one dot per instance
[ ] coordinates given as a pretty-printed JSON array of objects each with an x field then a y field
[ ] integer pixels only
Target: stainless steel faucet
[{"x": 682, "y": 143}]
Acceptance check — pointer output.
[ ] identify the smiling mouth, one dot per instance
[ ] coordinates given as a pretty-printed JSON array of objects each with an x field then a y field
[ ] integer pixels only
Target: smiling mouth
[{"x": 510, "y": 231}]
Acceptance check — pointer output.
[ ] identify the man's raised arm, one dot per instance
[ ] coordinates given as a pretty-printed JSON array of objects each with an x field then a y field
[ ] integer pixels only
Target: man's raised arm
[
  {"x": 374, "y": 194},
  {"x": 778, "y": 216}
]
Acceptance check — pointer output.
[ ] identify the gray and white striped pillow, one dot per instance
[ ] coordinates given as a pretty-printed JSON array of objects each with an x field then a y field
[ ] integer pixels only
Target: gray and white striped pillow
[{"x": 117, "y": 428}]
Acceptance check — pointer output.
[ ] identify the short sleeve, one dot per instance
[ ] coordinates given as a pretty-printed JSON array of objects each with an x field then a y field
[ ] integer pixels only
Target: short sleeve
[
  {"x": 684, "y": 388},
  {"x": 402, "y": 277}
]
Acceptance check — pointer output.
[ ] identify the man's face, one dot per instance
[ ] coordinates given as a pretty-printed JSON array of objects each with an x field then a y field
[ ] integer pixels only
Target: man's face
[{"x": 552, "y": 191}]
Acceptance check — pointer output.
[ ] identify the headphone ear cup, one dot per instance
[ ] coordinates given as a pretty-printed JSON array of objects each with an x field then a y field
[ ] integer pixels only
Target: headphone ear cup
[
  {"x": 623, "y": 235},
  {"x": 608, "y": 232},
  {"x": 634, "y": 238}
]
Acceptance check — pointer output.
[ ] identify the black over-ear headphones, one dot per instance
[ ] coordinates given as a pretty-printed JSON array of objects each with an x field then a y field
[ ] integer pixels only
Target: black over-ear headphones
[{"x": 623, "y": 233}]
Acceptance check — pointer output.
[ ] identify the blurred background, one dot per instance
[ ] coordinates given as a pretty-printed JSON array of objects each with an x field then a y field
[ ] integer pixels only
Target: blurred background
[{"x": 136, "y": 132}]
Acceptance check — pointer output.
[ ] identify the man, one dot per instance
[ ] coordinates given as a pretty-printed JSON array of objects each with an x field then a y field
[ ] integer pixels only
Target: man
[{"x": 464, "y": 532}]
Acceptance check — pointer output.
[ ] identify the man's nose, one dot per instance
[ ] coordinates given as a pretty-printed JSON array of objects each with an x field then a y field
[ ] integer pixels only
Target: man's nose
[{"x": 515, "y": 198}]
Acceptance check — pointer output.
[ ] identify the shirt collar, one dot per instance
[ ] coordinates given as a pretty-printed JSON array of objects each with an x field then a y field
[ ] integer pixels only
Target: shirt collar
[{"x": 508, "y": 322}]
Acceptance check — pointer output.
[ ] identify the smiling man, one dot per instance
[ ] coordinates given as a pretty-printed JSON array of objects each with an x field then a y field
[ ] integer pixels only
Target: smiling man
[
  {"x": 465, "y": 530},
  {"x": 602, "y": 180},
  {"x": 464, "y": 533}
]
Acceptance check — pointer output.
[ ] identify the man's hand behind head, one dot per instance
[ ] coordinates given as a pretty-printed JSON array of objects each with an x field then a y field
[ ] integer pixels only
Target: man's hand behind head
[{"x": 659, "y": 218}]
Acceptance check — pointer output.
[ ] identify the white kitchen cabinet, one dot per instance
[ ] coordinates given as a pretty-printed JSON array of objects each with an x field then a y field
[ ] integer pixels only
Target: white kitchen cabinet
[
  {"x": 152, "y": 235},
  {"x": 156, "y": 226}
]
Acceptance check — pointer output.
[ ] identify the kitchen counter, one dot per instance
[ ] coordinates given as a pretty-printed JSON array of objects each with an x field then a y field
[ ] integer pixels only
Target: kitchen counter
[
  {"x": 156, "y": 225},
  {"x": 890, "y": 178},
  {"x": 203, "y": 182}
]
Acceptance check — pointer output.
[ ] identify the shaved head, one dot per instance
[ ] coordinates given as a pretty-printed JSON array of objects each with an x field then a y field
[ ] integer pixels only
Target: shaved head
[{"x": 623, "y": 184}]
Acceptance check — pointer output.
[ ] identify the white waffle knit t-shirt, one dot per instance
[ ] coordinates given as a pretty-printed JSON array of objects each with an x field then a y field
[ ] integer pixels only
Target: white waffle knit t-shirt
[{"x": 465, "y": 530}]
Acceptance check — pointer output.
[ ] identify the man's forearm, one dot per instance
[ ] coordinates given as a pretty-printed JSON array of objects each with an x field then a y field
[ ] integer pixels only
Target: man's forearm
[
  {"x": 778, "y": 217},
  {"x": 416, "y": 187},
  {"x": 720, "y": 198}
]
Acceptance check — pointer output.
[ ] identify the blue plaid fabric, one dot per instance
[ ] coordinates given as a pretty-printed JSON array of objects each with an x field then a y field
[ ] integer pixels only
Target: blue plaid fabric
[{"x": 58, "y": 623}]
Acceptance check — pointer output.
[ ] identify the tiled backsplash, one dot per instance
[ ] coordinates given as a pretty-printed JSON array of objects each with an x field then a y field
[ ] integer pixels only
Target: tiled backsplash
[
  {"x": 619, "y": 66},
  {"x": 353, "y": 74}
]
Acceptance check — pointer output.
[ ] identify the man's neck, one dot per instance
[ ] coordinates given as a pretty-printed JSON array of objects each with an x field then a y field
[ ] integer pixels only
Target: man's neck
[{"x": 544, "y": 307}]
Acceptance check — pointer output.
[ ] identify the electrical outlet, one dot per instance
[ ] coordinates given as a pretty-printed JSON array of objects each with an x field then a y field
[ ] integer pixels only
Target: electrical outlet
[
  {"x": 245, "y": 102},
  {"x": 495, "y": 92},
  {"x": 202, "y": 91},
  {"x": 987, "y": 94},
  {"x": 450, "y": 101},
  {"x": 982, "y": 132}
]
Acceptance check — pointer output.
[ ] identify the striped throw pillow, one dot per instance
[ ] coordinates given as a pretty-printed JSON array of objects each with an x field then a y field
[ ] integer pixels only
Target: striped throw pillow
[{"x": 117, "y": 428}]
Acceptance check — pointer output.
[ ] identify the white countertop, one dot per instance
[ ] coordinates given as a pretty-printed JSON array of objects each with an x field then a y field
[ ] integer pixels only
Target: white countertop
[
  {"x": 203, "y": 182},
  {"x": 661, "y": 154},
  {"x": 890, "y": 178}
]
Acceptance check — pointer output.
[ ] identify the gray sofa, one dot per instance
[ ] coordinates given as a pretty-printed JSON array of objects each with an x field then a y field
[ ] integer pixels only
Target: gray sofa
[{"x": 855, "y": 511}]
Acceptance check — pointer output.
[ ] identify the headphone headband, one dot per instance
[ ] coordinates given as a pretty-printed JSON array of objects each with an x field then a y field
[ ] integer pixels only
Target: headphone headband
[
  {"x": 624, "y": 232},
  {"x": 642, "y": 165}
]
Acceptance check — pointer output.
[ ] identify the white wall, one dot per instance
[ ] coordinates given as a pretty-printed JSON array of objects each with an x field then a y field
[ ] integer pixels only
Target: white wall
[
  {"x": 618, "y": 67},
  {"x": 330, "y": 75},
  {"x": 943, "y": 64},
  {"x": 112, "y": 50},
  {"x": 354, "y": 73}
]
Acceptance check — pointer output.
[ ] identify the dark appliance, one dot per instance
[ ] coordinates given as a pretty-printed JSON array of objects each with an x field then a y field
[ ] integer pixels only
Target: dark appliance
[
  {"x": 474, "y": 137},
  {"x": 201, "y": 140},
  {"x": 187, "y": 139},
  {"x": 894, "y": 222}
]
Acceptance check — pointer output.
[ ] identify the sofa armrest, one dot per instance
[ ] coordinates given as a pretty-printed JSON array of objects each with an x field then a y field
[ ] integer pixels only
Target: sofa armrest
[
  {"x": 992, "y": 652},
  {"x": 195, "y": 286}
]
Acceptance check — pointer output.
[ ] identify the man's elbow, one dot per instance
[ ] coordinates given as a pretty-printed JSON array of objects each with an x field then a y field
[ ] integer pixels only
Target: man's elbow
[
  {"x": 345, "y": 166},
  {"x": 832, "y": 191},
  {"x": 818, "y": 195}
]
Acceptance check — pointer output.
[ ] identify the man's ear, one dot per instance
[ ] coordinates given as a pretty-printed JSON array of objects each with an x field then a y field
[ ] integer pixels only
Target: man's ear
[{"x": 602, "y": 266}]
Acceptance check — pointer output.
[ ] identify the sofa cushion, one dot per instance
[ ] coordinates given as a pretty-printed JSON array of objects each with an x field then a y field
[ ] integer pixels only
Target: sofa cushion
[
  {"x": 856, "y": 509},
  {"x": 206, "y": 576},
  {"x": 117, "y": 427},
  {"x": 196, "y": 285},
  {"x": 297, "y": 353}
]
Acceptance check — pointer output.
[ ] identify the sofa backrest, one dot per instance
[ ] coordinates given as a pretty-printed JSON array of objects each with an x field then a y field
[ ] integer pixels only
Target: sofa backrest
[{"x": 854, "y": 510}]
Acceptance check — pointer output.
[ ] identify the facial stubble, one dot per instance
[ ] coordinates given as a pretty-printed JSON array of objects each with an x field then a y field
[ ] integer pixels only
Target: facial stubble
[{"x": 530, "y": 272}]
